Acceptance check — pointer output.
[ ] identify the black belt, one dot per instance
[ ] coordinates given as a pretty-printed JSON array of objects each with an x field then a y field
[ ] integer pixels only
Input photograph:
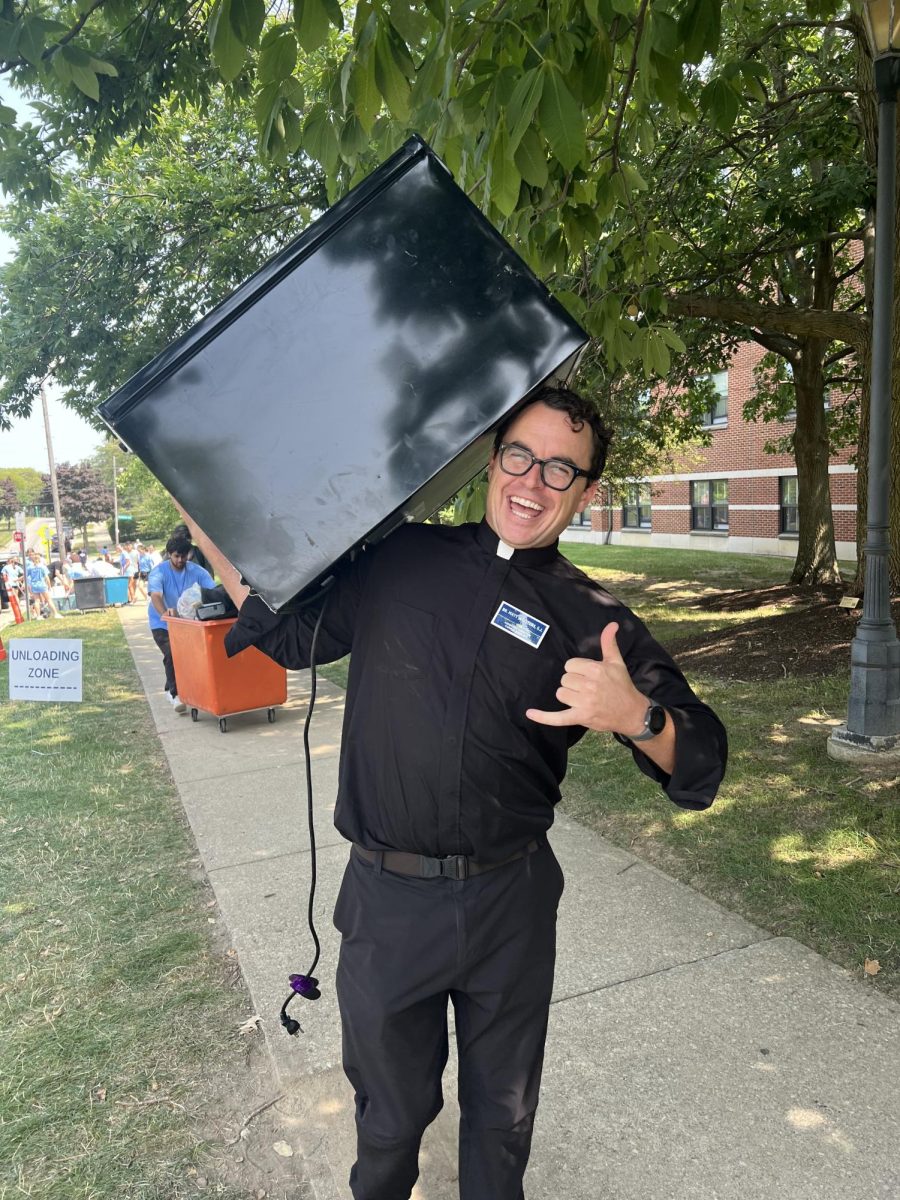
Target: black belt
[{"x": 452, "y": 866}]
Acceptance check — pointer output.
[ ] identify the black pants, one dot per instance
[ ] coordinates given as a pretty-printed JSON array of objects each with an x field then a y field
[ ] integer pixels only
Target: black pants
[
  {"x": 161, "y": 637},
  {"x": 487, "y": 944}
]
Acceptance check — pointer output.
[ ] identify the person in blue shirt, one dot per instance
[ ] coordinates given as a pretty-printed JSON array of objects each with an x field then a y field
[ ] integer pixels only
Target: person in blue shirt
[
  {"x": 39, "y": 587},
  {"x": 173, "y": 576}
]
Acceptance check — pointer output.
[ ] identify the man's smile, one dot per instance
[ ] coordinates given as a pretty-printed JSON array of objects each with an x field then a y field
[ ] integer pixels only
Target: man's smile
[{"x": 517, "y": 503}]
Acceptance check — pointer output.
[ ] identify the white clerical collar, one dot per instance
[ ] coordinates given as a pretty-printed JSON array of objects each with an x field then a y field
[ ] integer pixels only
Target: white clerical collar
[{"x": 503, "y": 550}]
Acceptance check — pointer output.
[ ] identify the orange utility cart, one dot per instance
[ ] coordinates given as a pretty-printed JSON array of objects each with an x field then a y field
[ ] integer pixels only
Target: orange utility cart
[{"x": 209, "y": 680}]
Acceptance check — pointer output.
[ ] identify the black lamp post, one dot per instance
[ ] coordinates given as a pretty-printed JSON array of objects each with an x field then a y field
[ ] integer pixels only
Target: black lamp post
[{"x": 872, "y": 730}]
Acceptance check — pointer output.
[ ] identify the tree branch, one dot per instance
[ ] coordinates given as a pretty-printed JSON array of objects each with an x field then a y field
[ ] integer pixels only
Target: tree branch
[{"x": 774, "y": 318}]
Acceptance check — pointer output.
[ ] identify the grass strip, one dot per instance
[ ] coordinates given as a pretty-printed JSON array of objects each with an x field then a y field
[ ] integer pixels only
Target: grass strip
[
  {"x": 801, "y": 845},
  {"x": 113, "y": 992}
]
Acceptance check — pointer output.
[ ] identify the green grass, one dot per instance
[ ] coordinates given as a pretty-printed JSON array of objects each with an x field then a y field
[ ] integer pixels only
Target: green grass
[
  {"x": 664, "y": 586},
  {"x": 802, "y": 845},
  {"x": 114, "y": 996}
]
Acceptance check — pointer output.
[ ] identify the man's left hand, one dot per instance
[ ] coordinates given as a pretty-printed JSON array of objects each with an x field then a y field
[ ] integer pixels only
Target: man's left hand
[{"x": 599, "y": 695}]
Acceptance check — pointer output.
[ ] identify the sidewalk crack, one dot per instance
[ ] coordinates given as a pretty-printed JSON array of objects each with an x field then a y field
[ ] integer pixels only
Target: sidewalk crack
[{"x": 603, "y": 987}]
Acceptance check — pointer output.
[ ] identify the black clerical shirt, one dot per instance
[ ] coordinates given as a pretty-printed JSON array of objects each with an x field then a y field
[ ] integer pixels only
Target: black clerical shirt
[{"x": 453, "y": 636}]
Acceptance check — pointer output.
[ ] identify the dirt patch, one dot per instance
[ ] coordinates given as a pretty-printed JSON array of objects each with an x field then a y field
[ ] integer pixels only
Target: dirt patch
[
  {"x": 811, "y": 636},
  {"x": 240, "y": 1158}
]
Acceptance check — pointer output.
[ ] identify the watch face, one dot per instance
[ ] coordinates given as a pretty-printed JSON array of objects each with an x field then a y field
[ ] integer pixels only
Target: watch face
[{"x": 656, "y": 721}]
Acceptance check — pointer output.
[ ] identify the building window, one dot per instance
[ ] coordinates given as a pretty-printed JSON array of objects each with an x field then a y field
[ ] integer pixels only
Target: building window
[
  {"x": 788, "y": 503},
  {"x": 709, "y": 504},
  {"x": 718, "y": 414},
  {"x": 636, "y": 509},
  {"x": 581, "y": 520}
]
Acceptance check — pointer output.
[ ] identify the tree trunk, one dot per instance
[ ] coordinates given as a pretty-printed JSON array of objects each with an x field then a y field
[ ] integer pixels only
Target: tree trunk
[{"x": 816, "y": 561}]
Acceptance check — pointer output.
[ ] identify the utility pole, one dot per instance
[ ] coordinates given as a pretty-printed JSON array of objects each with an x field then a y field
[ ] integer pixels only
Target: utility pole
[
  {"x": 54, "y": 486},
  {"x": 115, "y": 500}
]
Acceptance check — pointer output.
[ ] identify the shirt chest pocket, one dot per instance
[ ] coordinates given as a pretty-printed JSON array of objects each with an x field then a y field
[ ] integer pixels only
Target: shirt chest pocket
[
  {"x": 405, "y": 640},
  {"x": 525, "y": 675}
]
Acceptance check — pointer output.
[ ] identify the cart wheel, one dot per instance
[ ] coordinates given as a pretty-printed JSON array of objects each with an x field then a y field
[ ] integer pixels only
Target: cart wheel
[
  {"x": 223, "y": 725},
  {"x": 271, "y": 716},
  {"x": 193, "y": 714}
]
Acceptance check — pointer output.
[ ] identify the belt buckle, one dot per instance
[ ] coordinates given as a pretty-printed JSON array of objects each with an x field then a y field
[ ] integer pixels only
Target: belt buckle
[{"x": 459, "y": 868}]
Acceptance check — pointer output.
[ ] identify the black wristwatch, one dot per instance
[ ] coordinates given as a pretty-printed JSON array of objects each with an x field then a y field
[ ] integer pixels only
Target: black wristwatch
[{"x": 654, "y": 723}]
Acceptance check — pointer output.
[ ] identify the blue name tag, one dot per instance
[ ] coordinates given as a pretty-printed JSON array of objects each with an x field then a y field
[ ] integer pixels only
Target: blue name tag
[{"x": 520, "y": 624}]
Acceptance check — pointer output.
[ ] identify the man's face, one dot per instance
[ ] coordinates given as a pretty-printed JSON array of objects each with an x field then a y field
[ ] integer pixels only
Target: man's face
[
  {"x": 521, "y": 509},
  {"x": 177, "y": 559}
]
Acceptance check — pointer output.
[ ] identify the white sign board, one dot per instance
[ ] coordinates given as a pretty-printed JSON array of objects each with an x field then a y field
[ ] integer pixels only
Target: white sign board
[
  {"x": 20, "y": 521},
  {"x": 44, "y": 669}
]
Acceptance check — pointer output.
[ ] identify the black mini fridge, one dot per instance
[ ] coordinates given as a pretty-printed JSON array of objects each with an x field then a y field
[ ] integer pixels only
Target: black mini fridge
[{"x": 353, "y": 383}]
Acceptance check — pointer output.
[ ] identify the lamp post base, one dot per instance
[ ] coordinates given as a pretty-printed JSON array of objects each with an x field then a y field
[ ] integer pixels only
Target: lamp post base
[{"x": 868, "y": 749}]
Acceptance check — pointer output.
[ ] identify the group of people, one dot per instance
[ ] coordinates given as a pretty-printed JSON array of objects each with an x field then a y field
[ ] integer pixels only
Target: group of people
[{"x": 45, "y": 585}]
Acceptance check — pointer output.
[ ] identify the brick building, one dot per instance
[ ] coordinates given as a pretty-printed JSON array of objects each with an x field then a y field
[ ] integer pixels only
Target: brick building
[{"x": 730, "y": 495}]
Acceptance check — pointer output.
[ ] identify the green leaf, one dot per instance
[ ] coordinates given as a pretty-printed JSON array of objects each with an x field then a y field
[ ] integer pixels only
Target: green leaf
[
  {"x": 663, "y": 31},
  {"x": 247, "y": 17},
  {"x": 429, "y": 77},
  {"x": 277, "y": 54},
  {"x": 634, "y": 180},
  {"x": 471, "y": 103},
  {"x": 400, "y": 51},
  {"x": 671, "y": 338},
  {"x": 86, "y": 81},
  {"x": 293, "y": 130},
  {"x": 505, "y": 178},
  {"x": 103, "y": 68},
  {"x": 266, "y": 106},
  {"x": 561, "y": 120},
  {"x": 354, "y": 139},
  {"x": 700, "y": 28},
  {"x": 32, "y": 39},
  {"x": 72, "y": 65},
  {"x": 522, "y": 104},
  {"x": 531, "y": 159},
  {"x": 335, "y": 16},
  {"x": 592, "y": 68},
  {"x": 720, "y": 104},
  {"x": 320, "y": 139},
  {"x": 572, "y": 303},
  {"x": 227, "y": 52},
  {"x": 364, "y": 92},
  {"x": 9, "y": 39},
  {"x": 311, "y": 22},
  {"x": 390, "y": 79},
  {"x": 7, "y": 115},
  {"x": 409, "y": 21}
]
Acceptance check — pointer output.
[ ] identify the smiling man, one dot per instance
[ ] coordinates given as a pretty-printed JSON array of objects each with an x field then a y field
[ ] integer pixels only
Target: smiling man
[{"x": 480, "y": 655}]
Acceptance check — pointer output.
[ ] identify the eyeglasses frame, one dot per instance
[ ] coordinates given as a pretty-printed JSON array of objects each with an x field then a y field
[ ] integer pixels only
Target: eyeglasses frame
[{"x": 541, "y": 462}]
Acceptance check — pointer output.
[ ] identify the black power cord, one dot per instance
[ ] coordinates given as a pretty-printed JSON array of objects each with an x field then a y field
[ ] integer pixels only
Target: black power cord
[{"x": 307, "y": 985}]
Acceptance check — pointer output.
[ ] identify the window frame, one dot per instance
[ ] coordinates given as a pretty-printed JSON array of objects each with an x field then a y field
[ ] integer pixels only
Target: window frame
[
  {"x": 784, "y": 507},
  {"x": 712, "y": 520},
  {"x": 641, "y": 507},
  {"x": 713, "y": 418}
]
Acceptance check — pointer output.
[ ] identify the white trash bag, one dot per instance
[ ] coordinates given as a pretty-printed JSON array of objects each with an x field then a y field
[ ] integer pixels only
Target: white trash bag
[{"x": 189, "y": 601}]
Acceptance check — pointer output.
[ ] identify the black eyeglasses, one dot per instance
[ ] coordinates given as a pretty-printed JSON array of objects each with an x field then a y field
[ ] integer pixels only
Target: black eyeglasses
[{"x": 555, "y": 473}]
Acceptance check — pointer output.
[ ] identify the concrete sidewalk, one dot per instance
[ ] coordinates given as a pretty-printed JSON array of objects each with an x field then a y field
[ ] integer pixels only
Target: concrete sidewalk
[{"x": 690, "y": 1056}]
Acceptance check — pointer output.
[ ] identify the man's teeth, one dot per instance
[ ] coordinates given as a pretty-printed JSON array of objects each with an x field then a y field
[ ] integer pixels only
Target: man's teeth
[{"x": 526, "y": 503}]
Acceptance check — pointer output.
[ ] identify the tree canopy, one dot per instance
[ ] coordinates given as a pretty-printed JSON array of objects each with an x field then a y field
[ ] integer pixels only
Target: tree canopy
[
  {"x": 84, "y": 496},
  {"x": 684, "y": 174}
]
